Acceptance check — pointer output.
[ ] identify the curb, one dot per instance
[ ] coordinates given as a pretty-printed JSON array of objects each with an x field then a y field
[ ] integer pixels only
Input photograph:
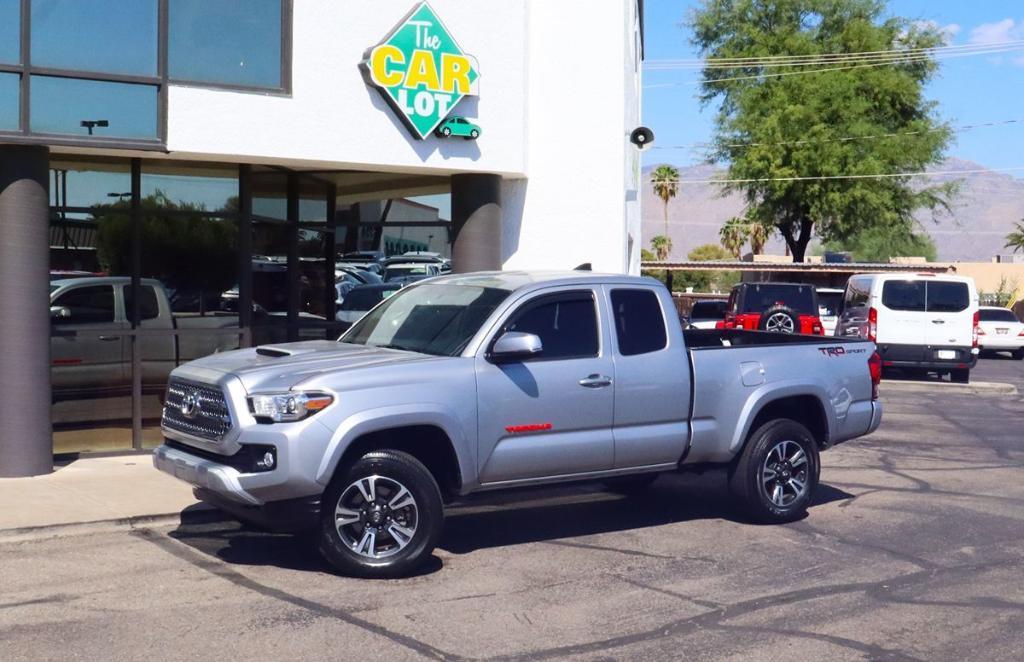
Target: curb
[
  {"x": 201, "y": 515},
  {"x": 977, "y": 388}
]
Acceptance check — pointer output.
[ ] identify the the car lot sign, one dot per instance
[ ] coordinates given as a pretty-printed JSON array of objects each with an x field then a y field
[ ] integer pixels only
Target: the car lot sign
[{"x": 421, "y": 71}]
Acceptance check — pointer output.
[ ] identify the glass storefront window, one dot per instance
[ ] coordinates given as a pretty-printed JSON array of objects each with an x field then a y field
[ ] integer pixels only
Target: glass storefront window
[
  {"x": 10, "y": 94},
  {"x": 198, "y": 187},
  {"x": 114, "y": 36},
  {"x": 72, "y": 106},
  {"x": 10, "y": 31},
  {"x": 229, "y": 42}
]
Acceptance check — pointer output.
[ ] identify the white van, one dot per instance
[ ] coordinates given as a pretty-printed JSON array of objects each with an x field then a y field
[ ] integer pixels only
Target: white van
[{"x": 920, "y": 321}]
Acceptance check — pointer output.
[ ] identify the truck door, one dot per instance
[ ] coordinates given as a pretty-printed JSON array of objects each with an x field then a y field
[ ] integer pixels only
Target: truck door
[
  {"x": 551, "y": 414},
  {"x": 652, "y": 382},
  {"x": 87, "y": 346},
  {"x": 159, "y": 354}
]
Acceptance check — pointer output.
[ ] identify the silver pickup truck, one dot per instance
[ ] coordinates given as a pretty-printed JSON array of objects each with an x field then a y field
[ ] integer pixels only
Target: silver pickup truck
[{"x": 463, "y": 384}]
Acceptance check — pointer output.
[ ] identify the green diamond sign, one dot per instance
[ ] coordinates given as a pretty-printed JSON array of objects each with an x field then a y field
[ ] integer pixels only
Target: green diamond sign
[{"x": 421, "y": 71}]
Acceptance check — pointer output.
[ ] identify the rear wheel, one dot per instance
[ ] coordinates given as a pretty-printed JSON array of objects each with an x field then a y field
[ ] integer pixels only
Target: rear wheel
[
  {"x": 1019, "y": 354},
  {"x": 776, "y": 475},
  {"x": 382, "y": 516},
  {"x": 960, "y": 376}
]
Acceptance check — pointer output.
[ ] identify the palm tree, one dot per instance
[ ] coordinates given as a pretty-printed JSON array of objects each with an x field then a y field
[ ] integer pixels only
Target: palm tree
[
  {"x": 758, "y": 237},
  {"x": 666, "y": 184},
  {"x": 1015, "y": 239},
  {"x": 733, "y": 234},
  {"x": 662, "y": 246}
]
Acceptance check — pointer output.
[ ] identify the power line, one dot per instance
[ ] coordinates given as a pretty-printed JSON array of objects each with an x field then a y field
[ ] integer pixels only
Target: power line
[
  {"x": 834, "y": 177},
  {"x": 809, "y": 141},
  {"x": 826, "y": 58}
]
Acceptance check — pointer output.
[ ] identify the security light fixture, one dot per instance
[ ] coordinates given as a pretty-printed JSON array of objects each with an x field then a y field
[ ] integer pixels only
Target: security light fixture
[{"x": 92, "y": 124}]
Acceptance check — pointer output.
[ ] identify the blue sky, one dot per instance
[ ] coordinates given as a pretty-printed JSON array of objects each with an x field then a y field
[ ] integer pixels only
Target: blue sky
[{"x": 970, "y": 90}]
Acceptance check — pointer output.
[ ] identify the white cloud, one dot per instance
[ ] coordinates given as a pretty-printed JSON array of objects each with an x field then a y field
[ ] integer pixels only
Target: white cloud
[
  {"x": 999, "y": 32},
  {"x": 947, "y": 31}
]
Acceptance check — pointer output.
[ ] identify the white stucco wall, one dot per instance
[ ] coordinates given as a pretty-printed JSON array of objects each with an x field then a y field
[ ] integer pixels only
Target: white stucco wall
[{"x": 559, "y": 94}]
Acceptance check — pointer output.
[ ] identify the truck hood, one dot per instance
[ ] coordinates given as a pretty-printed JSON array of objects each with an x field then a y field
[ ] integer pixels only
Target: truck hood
[{"x": 287, "y": 365}]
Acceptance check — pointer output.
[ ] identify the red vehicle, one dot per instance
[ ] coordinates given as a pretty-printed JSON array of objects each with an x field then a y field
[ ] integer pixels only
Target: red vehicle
[{"x": 773, "y": 307}]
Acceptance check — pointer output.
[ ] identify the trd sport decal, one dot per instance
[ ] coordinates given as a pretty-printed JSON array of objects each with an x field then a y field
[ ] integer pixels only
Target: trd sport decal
[
  {"x": 532, "y": 427},
  {"x": 840, "y": 351}
]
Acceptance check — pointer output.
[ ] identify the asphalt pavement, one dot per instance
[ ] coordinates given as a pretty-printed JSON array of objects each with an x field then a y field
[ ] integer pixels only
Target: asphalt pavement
[{"x": 913, "y": 550}]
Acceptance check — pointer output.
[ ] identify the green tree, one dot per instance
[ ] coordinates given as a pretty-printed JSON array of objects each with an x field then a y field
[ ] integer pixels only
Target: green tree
[
  {"x": 733, "y": 235},
  {"x": 662, "y": 246},
  {"x": 1015, "y": 239},
  {"x": 785, "y": 127},
  {"x": 758, "y": 237},
  {"x": 665, "y": 179},
  {"x": 880, "y": 244}
]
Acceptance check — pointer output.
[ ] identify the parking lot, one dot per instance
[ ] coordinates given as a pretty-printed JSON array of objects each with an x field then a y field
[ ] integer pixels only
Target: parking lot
[{"x": 914, "y": 550}]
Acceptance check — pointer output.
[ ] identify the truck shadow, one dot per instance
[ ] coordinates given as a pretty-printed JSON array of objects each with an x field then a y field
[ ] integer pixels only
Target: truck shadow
[{"x": 525, "y": 516}]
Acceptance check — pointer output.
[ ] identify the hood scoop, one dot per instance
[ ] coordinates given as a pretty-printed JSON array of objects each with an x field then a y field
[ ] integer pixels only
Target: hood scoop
[{"x": 279, "y": 352}]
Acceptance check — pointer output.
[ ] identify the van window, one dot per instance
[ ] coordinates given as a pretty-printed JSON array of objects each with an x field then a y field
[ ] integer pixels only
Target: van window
[
  {"x": 857, "y": 294},
  {"x": 904, "y": 295},
  {"x": 947, "y": 297},
  {"x": 639, "y": 325}
]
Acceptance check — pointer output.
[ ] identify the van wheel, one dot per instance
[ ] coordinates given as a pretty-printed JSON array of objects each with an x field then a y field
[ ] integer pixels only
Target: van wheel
[
  {"x": 1019, "y": 354},
  {"x": 382, "y": 516},
  {"x": 776, "y": 476},
  {"x": 960, "y": 376}
]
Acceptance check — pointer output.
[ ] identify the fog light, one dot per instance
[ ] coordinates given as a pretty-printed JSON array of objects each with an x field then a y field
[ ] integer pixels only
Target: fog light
[{"x": 267, "y": 462}]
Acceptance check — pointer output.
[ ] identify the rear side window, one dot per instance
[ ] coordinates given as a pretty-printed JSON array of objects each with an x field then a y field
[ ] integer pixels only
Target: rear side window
[
  {"x": 639, "y": 324},
  {"x": 904, "y": 295},
  {"x": 148, "y": 307},
  {"x": 567, "y": 327},
  {"x": 946, "y": 297}
]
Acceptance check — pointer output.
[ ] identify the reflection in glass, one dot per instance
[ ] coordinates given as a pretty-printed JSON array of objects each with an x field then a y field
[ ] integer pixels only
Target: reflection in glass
[
  {"x": 67, "y": 105},
  {"x": 199, "y": 187},
  {"x": 84, "y": 183},
  {"x": 237, "y": 43},
  {"x": 114, "y": 36},
  {"x": 10, "y": 31},
  {"x": 10, "y": 94}
]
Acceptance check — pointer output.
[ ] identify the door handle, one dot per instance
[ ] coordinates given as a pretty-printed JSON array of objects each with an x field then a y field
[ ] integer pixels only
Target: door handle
[
  {"x": 938, "y": 321},
  {"x": 109, "y": 338},
  {"x": 595, "y": 381}
]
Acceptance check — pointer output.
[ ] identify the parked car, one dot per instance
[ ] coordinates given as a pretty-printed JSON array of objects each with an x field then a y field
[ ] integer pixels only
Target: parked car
[
  {"x": 707, "y": 314},
  {"x": 410, "y": 272},
  {"x": 773, "y": 307},
  {"x": 347, "y": 278},
  {"x": 361, "y": 299},
  {"x": 458, "y": 126},
  {"x": 999, "y": 330},
  {"x": 919, "y": 321},
  {"x": 91, "y": 355},
  {"x": 471, "y": 383},
  {"x": 830, "y": 301}
]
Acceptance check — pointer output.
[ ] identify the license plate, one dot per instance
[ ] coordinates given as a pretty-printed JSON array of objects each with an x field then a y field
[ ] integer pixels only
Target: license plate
[
  {"x": 1001, "y": 332},
  {"x": 947, "y": 354}
]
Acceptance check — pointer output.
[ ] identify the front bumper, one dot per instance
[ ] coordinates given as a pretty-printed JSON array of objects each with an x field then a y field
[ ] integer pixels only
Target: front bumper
[{"x": 203, "y": 473}]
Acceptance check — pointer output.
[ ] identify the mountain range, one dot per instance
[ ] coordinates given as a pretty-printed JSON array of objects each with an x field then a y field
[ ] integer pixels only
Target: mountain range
[{"x": 983, "y": 213}]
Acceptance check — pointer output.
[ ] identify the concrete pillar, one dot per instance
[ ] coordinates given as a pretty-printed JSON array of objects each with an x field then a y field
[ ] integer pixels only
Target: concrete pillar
[
  {"x": 26, "y": 442},
  {"x": 476, "y": 223}
]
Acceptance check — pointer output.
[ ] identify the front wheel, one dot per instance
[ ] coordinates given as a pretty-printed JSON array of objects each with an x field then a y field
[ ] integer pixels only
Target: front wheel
[
  {"x": 382, "y": 516},
  {"x": 777, "y": 473}
]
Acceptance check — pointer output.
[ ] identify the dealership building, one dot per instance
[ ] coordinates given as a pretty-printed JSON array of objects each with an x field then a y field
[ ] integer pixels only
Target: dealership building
[{"x": 180, "y": 176}]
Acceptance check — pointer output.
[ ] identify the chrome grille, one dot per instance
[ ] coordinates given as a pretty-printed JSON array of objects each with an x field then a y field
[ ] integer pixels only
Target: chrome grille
[{"x": 197, "y": 410}]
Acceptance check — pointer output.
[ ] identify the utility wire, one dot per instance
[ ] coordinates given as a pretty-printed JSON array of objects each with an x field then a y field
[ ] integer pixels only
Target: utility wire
[
  {"x": 833, "y": 177},
  {"x": 814, "y": 141},
  {"x": 825, "y": 58}
]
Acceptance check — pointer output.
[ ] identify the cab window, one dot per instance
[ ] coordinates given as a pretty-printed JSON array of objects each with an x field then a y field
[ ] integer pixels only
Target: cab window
[
  {"x": 565, "y": 324},
  {"x": 87, "y": 305},
  {"x": 639, "y": 324}
]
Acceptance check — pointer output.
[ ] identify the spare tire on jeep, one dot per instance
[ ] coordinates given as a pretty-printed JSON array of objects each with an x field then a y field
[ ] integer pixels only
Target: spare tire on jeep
[{"x": 779, "y": 319}]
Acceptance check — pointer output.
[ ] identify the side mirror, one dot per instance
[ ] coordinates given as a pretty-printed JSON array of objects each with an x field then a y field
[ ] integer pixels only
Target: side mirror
[
  {"x": 58, "y": 313},
  {"x": 514, "y": 346}
]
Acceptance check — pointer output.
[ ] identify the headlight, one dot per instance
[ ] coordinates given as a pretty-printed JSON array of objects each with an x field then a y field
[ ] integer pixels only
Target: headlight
[{"x": 286, "y": 407}]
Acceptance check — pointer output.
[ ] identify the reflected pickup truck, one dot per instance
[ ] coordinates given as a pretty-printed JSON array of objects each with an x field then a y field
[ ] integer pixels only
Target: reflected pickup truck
[{"x": 469, "y": 383}]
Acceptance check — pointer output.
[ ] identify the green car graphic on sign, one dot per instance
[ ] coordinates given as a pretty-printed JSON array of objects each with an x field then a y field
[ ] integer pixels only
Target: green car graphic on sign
[{"x": 458, "y": 126}]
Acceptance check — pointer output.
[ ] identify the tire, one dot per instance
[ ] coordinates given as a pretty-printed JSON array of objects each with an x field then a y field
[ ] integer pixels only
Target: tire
[
  {"x": 446, "y": 132},
  {"x": 474, "y": 134},
  {"x": 1018, "y": 354},
  {"x": 960, "y": 376},
  {"x": 779, "y": 319},
  {"x": 364, "y": 543},
  {"x": 631, "y": 485},
  {"x": 755, "y": 493}
]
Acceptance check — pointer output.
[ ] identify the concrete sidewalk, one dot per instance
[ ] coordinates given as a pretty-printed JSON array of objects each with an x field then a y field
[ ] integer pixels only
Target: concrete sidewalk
[{"x": 89, "y": 494}]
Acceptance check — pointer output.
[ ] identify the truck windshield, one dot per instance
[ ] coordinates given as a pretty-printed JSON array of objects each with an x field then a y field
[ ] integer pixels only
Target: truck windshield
[{"x": 432, "y": 318}]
